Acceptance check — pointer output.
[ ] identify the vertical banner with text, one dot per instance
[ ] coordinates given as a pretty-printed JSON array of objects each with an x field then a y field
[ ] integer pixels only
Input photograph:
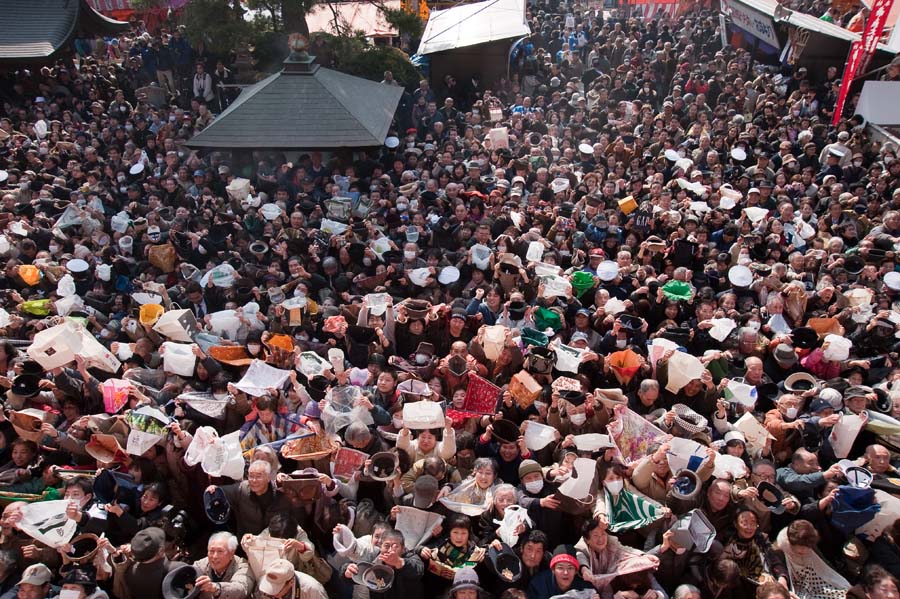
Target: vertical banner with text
[{"x": 862, "y": 51}]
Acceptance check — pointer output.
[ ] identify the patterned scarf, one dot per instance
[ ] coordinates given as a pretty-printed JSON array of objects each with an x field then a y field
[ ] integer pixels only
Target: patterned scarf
[
  {"x": 629, "y": 511},
  {"x": 256, "y": 433}
]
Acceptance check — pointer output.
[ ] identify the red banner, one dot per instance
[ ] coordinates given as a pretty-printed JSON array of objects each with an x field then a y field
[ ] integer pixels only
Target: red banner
[
  {"x": 861, "y": 52},
  {"x": 856, "y": 52},
  {"x": 874, "y": 28}
]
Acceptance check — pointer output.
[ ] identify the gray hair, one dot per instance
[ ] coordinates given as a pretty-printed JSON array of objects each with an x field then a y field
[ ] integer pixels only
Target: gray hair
[
  {"x": 262, "y": 464},
  {"x": 504, "y": 488},
  {"x": 357, "y": 432},
  {"x": 648, "y": 385},
  {"x": 685, "y": 591},
  {"x": 230, "y": 540},
  {"x": 485, "y": 463}
]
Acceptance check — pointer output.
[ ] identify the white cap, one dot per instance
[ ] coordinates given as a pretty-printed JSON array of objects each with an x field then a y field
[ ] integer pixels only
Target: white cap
[
  {"x": 735, "y": 436},
  {"x": 126, "y": 242},
  {"x": 607, "y": 270},
  {"x": 740, "y": 276}
]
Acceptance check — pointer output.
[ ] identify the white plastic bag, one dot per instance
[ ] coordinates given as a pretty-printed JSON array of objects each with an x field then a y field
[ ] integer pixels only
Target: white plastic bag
[{"x": 179, "y": 359}]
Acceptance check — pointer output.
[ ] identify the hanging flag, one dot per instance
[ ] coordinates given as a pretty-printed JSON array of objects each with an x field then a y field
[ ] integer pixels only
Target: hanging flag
[
  {"x": 874, "y": 28},
  {"x": 862, "y": 51}
]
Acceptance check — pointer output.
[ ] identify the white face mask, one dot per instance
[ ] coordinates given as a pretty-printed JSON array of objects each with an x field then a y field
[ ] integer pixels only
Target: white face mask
[
  {"x": 621, "y": 343},
  {"x": 422, "y": 359},
  {"x": 681, "y": 551},
  {"x": 398, "y": 423},
  {"x": 409, "y": 255},
  {"x": 791, "y": 413},
  {"x": 220, "y": 396},
  {"x": 577, "y": 419},
  {"x": 254, "y": 348},
  {"x": 615, "y": 486},
  {"x": 534, "y": 487}
]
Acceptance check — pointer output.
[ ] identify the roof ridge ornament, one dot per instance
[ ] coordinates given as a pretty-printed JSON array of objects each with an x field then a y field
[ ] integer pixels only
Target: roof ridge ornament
[{"x": 299, "y": 60}]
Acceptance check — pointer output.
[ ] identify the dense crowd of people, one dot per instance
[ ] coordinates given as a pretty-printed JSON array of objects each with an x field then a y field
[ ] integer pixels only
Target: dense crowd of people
[{"x": 623, "y": 325}]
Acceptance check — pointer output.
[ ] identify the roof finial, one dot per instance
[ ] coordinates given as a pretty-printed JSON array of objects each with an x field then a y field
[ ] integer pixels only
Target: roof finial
[{"x": 298, "y": 45}]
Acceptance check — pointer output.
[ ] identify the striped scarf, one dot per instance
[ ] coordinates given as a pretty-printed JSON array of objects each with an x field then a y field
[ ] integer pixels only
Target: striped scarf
[{"x": 630, "y": 512}]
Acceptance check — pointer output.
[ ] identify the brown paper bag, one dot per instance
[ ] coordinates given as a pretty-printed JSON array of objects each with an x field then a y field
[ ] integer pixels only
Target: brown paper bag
[
  {"x": 524, "y": 389},
  {"x": 163, "y": 257}
]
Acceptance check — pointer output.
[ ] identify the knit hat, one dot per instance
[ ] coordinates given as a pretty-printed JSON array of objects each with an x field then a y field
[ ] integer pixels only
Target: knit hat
[
  {"x": 465, "y": 579},
  {"x": 527, "y": 467}
]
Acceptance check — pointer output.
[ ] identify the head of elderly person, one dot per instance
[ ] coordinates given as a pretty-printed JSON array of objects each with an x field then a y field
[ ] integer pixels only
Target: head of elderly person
[
  {"x": 259, "y": 474},
  {"x": 220, "y": 550},
  {"x": 358, "y": 435}
]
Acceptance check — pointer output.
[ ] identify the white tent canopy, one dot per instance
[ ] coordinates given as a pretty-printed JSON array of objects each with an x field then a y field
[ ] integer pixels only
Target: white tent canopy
[{"x": 472, "y": 24}]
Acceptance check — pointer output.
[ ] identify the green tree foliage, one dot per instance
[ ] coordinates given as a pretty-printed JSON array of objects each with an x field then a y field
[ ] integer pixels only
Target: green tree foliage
[
  {"x": 406, "y": 22},
  {"x": 353, "y": 55}
]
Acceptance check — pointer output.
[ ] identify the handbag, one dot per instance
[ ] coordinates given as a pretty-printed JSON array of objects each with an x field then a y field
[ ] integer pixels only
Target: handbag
[
  {"x": 56, "y": 346},
  {"x": 318, "y": 568},
  {"x": 178, "y": 325},
  {"x": 163, "y": 257}
]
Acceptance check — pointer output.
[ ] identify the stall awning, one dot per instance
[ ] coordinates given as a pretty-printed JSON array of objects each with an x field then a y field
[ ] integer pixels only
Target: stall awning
[
  {"x": 33, "y": 30},
  {"x": 473, "y": 24}
]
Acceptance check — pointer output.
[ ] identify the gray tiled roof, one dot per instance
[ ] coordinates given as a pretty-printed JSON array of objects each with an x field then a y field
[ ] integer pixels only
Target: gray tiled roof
[
  {"x": 324, "y": 109},
  {"x": 35, "y": 29}
]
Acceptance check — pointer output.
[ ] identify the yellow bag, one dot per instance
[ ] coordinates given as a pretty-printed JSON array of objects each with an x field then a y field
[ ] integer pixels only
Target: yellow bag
[
  {"x": 150, "y": 313},
  {"x": 30, "y": 274}
]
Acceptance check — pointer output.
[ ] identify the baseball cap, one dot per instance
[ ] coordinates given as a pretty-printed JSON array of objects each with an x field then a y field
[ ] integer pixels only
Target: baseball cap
[
  {"x": 276, "y": 575},
  {"x": 37, "y": 574},
  {"x": 146, "y": 544}
]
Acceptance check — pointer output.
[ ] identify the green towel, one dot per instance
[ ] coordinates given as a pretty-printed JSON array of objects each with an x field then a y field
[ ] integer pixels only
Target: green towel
[
  {"x": 582, "y": 281},
  {"x": 630, "y": 512},
  {"x": 677, "y": 290},
  {"x": 534, "y": 337},
  {"x": 545, "y": 318}
]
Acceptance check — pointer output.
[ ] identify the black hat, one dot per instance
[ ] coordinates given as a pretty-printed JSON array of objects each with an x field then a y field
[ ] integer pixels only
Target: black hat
[
  {"x": 80, "y": 577},
  {"x": 883, "y": 401},
  {"x": 771, "y": 496},
  {"x": 505, "y": 431},
  {"x": 84, "y": 548},
  {"x": 517, "y": 310},
  {"x": 216, "y": 506},
  {"x": 317, "y": 387},
  {"x": 540, "y": 360},
  {"x": 576, "y": 398},
  {"x": 383, "y": 466},
  {"x": 179, "y": 583},
  {"x": 118, "y": 487},
  {"x": 805, "y": 337},
  {"x": 505, "y": 564},
  {"x": 632, "y": 323},
  {"x": 147, "y": 543},
  {"x": 854, "y": 264},
  {"x": 26, "y": 385},
  {"x": 32, "y": 367},
  {"x": 392, "y": 257}
]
